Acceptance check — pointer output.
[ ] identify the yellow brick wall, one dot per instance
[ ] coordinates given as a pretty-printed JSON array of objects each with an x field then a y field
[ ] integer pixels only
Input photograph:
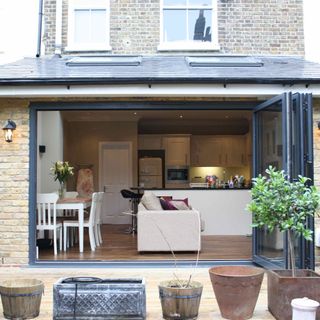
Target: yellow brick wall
[
  {"x": 14, "y": 185},
  {"x": 316, "y": 141},
  {"x": 316, "y": 150}
]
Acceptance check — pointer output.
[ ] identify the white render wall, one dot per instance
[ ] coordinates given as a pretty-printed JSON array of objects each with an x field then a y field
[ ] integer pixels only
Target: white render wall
[
  {"x": 50, "y": 134},
  {"x": 19, "y": 29},
  {"x": 224, "y": 211}
]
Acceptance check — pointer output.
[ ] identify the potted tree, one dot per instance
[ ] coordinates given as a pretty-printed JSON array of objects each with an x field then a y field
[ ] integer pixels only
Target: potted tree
[{"x": 279, "y": 203}]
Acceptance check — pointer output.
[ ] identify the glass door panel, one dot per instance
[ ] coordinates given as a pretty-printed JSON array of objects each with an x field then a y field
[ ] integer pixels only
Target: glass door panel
[
  {"x": 269, "y": 150},
  {"x": 283, "y": 138}
]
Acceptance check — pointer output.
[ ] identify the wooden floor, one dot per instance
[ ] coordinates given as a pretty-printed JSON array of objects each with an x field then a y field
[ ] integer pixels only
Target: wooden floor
[
  {"x": 117, "y": 245},
  {"x": 208, "y": 306}
]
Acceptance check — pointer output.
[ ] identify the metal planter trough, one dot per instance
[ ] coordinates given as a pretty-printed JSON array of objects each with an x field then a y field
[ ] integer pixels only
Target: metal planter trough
[{"x": 95, "y": 298}]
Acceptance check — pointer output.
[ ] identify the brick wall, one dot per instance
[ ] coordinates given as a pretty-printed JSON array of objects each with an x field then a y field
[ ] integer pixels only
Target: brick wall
[
  {"x": 245, "y": 26},
  {"x": 263, "y": 27},
  {"x": 14, "y": 185},
  {"x": 316, "y": 141},
  {"x": 316, "y": 153},
  {"x": 49, "y": 13}
]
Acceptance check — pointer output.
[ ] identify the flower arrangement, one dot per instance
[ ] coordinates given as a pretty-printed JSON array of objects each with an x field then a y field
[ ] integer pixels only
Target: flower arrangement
[{"x": 61, "y": 171}]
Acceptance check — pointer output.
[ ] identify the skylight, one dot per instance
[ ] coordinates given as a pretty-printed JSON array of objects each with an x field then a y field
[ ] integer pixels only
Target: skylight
[
  {"x": 223, "y": 61},
  {"x": 105, "y": 61}
]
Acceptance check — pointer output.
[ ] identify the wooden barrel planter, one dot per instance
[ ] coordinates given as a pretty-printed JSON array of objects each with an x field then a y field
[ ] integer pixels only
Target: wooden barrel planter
[
  {"x": 180, "y": 302},
  {"x": 21, "y": 298},
  {"x": 236, "y": 289}
]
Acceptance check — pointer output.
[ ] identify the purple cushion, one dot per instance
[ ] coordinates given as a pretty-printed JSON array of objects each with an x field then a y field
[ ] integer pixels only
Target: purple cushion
[{"x": 166, "y": 205}]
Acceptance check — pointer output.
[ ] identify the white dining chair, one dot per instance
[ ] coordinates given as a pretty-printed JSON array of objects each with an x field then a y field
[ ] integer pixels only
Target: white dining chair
[
  {"x": 87, "y": 223},
  {"x": 98, "y": 219},
  {"x": 47, "y": 217},
  {"x": 69, "y": 213}
]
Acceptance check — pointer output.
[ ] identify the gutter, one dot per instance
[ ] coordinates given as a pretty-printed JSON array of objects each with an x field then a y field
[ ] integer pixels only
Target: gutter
[
  {"x": 150, "y": 81},
  {"x": 39, "y": 28}
]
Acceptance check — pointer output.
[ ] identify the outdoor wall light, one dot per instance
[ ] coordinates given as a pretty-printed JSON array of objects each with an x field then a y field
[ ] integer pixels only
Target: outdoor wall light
[{"x": 8, "y": 130}]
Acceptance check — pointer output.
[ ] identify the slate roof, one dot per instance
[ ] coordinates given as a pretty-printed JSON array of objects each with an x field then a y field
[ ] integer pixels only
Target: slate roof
[{"x": 158, "y": 69}]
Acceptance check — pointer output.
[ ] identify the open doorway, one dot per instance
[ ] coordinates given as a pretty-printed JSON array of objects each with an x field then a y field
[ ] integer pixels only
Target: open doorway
[{"x": 205, "y": 155}]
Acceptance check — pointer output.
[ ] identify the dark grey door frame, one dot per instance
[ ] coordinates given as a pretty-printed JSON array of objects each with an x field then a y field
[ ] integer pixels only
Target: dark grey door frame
[{"x": 109, "y": 105}]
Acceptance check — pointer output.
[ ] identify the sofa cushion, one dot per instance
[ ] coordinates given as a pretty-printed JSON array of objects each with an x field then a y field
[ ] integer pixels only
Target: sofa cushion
[
  {"x": 179, "y": 204},
  {"x": 175, "y": 204},
  {"x": 151, "y": 201},
  {"x": 166, "y": 204}
]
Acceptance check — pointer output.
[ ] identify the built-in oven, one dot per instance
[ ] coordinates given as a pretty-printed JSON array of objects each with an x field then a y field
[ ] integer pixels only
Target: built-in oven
[{"x": 177, "y": 174}]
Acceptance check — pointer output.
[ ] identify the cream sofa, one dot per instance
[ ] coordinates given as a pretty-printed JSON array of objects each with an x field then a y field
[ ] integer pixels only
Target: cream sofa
[{"x": 159, "y": 229}]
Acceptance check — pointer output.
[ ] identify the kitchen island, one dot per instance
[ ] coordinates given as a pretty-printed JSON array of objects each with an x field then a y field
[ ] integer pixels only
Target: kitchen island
[{"x": 223, "y": 210}]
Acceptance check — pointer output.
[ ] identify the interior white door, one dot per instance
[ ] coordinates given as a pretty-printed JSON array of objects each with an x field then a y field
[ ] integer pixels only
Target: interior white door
[{"x": 115, "y": 174}]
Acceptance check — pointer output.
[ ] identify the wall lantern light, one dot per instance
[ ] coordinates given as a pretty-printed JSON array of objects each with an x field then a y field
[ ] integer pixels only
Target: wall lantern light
[{"x": 8, "y": 130}]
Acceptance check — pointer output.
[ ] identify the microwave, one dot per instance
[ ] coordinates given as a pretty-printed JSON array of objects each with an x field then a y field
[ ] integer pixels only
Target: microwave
[{"x": 177, "y": 174}]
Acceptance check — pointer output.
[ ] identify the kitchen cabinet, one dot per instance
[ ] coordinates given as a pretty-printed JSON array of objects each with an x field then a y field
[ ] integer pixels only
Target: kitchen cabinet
[
  {"x": 218, "y": 151},
  {"x": 150, "y": 142},
  {"x": 177, "y": 150}
]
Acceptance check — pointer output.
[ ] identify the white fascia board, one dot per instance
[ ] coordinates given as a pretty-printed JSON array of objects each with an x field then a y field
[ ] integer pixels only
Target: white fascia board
[{"x": 155, "y": 90}]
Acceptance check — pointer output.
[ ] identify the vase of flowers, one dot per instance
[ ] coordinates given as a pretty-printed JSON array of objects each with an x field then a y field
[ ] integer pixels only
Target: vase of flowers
[{"x": 61, "y": 171}]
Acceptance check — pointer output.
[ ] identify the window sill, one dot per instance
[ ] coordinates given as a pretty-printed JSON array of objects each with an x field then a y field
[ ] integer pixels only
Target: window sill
[
  {"x": 87, "y": 48},
  {"x": 176, "y": 46}
]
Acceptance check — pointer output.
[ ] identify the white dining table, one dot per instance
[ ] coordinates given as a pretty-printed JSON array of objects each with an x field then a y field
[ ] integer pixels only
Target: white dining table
[{"x": 79, "y": 204}]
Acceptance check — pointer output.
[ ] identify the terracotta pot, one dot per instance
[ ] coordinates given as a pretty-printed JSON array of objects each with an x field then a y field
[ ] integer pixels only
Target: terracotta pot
[
  {"x": 282, "y": 288},
  {"x": 180, "y": 303},
  {"x": 236, "y": 289}
]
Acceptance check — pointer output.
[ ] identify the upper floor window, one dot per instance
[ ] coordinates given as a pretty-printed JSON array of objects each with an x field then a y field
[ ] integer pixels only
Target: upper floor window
[
  {"x": 88, "y": 25},
  {"x": 189, "y": 25}
]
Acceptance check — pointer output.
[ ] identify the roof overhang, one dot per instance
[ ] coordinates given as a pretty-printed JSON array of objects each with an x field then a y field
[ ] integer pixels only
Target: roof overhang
[
  {"x": 160, "y": 76},
  {"x": 154, "y": 90}
]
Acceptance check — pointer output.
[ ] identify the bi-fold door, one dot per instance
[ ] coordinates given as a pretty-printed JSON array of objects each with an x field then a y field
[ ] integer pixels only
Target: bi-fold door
[{"x": 282, "y": 137}]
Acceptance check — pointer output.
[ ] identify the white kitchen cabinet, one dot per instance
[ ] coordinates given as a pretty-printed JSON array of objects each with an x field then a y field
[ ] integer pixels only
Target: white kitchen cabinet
[
  {"x": 218, "y": 151},
  {"x": 177, "y": 150},
  {"x": 206, "y": 151},
  {"x": 150, "y": 142},
  {"x": 234, "y": 151}
]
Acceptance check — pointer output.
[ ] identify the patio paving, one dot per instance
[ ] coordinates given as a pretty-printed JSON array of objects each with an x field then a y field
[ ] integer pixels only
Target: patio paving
[{"x": 208, "y": 307}]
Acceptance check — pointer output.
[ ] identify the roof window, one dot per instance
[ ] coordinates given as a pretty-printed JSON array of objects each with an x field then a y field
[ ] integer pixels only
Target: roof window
[
  {"x": 105, "y": 61},
  {"x": 223, "y": 61}
]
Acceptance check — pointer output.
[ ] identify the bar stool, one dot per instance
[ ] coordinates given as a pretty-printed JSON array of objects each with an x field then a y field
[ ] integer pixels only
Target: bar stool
[{"x": 134, "y": 199}]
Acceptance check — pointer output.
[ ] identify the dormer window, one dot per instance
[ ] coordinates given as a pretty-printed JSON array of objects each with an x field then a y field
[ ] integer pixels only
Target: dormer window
[
  {"x": 189, "y": 25},
  {"x": 88, "y": 25}
]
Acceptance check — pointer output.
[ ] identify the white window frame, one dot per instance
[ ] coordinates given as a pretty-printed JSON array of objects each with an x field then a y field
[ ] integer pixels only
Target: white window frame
[
  {"x": 191, "y": 45},
  {"x": 87, "y": 5}
]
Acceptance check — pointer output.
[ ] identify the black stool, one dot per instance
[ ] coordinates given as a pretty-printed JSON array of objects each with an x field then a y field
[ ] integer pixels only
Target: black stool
[{"x": 134, "y": 199}]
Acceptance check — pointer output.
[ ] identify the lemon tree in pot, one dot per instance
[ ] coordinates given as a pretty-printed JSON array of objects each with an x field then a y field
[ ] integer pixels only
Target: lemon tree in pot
[{"x": 280, "y": 203}]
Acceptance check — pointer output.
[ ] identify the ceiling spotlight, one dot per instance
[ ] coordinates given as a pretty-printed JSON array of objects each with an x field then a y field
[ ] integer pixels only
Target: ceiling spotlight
[
  {"x": 135, "y": 113},
  {"x": 181, "y": 116}
]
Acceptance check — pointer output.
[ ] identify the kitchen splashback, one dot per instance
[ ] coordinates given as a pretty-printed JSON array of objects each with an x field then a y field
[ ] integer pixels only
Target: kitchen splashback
[{"x": 198, "y": 174}]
